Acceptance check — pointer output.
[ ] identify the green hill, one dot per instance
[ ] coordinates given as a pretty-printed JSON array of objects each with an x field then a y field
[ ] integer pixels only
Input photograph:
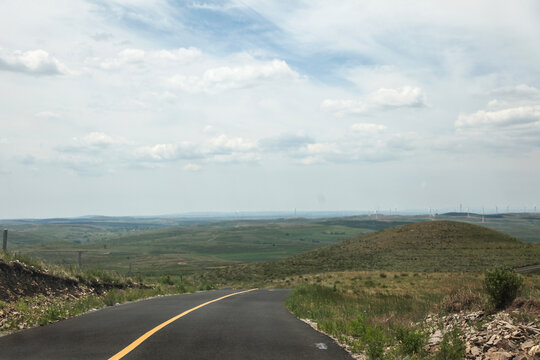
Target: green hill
[{"x": 433, "y": 246}]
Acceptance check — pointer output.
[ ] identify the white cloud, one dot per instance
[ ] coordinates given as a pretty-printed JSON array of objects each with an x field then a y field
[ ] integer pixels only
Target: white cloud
[
  {"x": 235, "y": 158},
  {"x": 517, "y": 93},
  {"x": 213, "y": 7},
  {"x": 100, "y": 139},
  {"x": 139, "y": 57},
  {"x": 125, "y": 57},
  {"x": 48, "y": 115},
  {"x": 500, "y": 118},
  {"x": 209, "y": 129},
  {"x": 285, "y": 142},
  {"x": 226, "y": 77},
  {"x": 406, "y": 97},
  {"x": 367, "y": 128},
  {"x": 35, "y": 62},
  {"x": 192, "y": 167},
  {"x": 515, "y": 106},
  {"x": 159, "y": 152},
  {"x": 351, "y": 148},
  {"x": 506, "y": 125},
  {"x": 179, "y": 55},
  {"x": 217, "y": 149},
  {"x": 322, "y": 148},
  {"x": 340, "y": 107},
  {"x": 225, "y": 144},
  {"x": 94, "y": 144}
]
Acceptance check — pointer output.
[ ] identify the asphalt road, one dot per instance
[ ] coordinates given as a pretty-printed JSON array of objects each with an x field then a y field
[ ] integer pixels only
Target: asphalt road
[{"x": 252, "y": 325}]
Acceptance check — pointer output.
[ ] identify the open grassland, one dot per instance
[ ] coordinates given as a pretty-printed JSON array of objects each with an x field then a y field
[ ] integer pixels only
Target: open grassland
[
  {"x": 433, "y": 246},
  {"x": 183, "y": 249},
  {"x": 157, "y": 246}
]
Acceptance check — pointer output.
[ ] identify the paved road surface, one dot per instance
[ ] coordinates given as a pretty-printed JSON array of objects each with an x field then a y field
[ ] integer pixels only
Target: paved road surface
[{"x": 252, "y": 325}]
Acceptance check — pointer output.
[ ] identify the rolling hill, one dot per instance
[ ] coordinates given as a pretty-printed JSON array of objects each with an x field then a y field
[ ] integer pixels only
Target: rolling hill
[{"x": 433, "y": 246}]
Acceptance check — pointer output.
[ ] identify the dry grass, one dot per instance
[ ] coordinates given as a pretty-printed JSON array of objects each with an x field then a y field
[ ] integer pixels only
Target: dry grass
[{"x": 364, "y": 309}]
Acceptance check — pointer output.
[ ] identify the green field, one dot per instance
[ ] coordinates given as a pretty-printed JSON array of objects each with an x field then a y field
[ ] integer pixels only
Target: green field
[
  {"x": 430, "y": 246},
  {"x": 168, "y": 245},
  {"x": 173, "y": 250}
]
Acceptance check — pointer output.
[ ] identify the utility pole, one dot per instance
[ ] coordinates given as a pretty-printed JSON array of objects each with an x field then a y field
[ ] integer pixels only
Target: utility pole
[{"x": 4, "y": 244}]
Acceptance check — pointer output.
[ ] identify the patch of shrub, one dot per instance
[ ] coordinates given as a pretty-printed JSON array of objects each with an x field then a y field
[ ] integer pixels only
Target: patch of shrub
[
  {"x": 452, "y": 347},
  {"x": 358, "y": 327},
  {"x": 412, "y": 341},
  {"x": 370, "y": 283},
  {"x": 502, "y": 285},
  {"x": 376, "y": 342},
  {"x": 166, "y": 280},
  {"x": 112, "y": 297}
]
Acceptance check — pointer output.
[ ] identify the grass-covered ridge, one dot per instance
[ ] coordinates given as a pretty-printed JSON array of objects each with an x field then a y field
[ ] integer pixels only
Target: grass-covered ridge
[{"x": 432, "y": 246}]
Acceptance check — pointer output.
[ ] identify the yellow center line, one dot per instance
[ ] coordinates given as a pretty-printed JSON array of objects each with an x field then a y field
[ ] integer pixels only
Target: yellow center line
[{"x": 141, "y": 339}]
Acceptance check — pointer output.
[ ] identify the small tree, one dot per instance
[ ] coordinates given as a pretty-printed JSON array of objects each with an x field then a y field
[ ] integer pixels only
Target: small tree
[{"x": 503, "y": 286}]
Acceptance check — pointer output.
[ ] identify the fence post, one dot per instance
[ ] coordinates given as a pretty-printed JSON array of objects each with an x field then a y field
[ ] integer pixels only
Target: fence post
[
  {"x": 4, "y": 244},
  {"x": 79, "y": 259}
]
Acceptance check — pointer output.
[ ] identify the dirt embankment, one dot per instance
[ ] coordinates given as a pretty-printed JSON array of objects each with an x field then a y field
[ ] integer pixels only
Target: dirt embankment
[{"x": 19, "y": 280}]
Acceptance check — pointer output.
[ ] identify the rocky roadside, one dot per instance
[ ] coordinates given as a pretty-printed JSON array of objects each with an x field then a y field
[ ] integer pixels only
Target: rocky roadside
[
  {"x": 495, "y": 337},
  {"x": 487, "y": 337}
]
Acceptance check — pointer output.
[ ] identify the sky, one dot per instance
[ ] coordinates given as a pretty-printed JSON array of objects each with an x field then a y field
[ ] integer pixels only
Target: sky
[{"x": 132, "y": 107}]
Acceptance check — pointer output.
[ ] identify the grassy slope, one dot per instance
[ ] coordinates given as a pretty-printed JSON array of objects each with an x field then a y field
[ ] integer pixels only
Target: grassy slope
[
  {"x": 33, "y": 293},
  {"x": 433, "y": 246},
  {"x": 154, "y": 247},
  {"x": 181, "y": 249},
  {"x": 366, "y": 308}
]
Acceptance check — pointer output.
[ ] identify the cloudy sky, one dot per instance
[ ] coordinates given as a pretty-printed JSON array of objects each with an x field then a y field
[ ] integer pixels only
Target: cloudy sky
[{"x": 132, "y": 107}]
